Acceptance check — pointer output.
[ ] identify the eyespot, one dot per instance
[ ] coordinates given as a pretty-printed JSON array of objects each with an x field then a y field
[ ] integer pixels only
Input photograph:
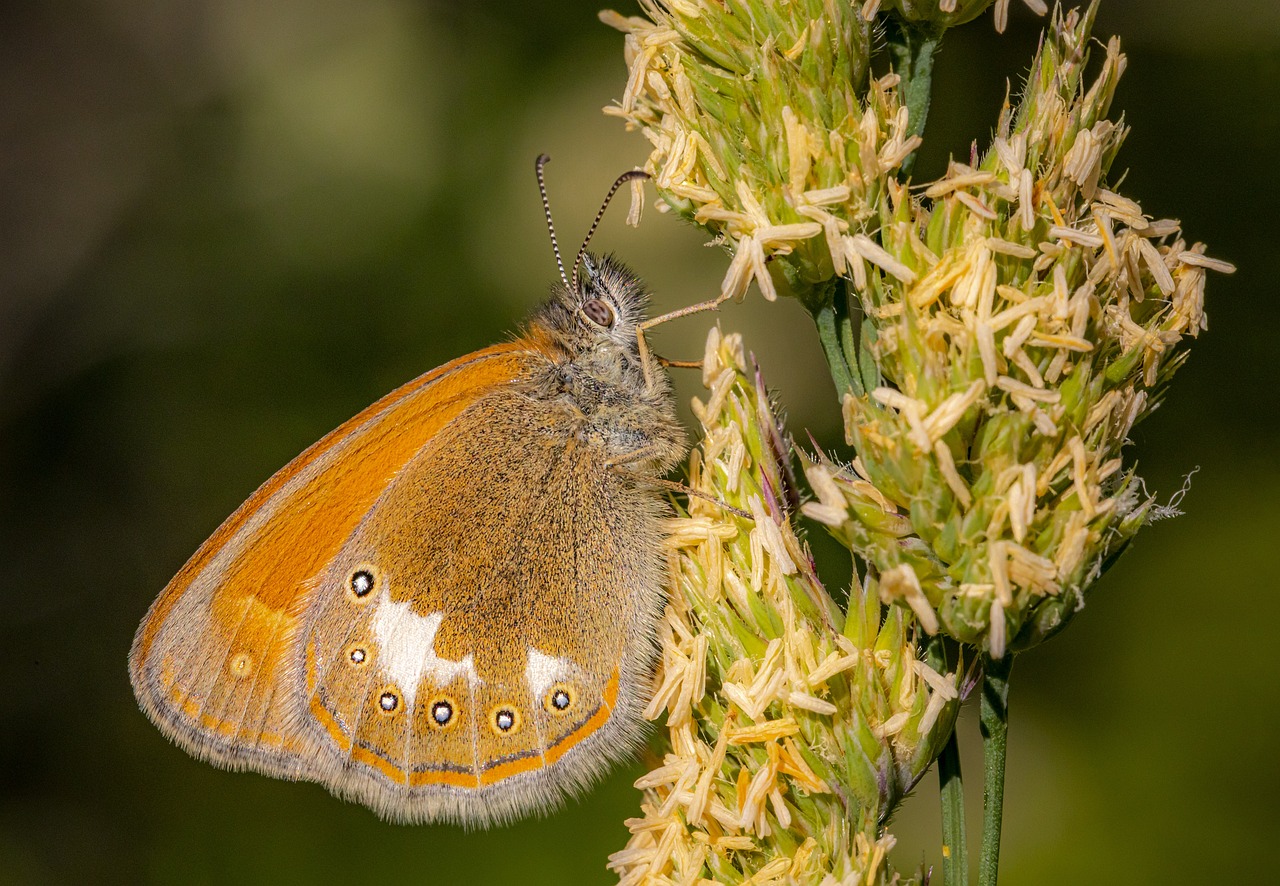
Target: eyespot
[
  {"x": 559, "y": 699},
  {"x": 241, "y": 665},
  {"x": 505, "y": 720},
  {"x": 362, "y": 582},
  {"x": 357, "y": 655},
  {"x": 442, "y": 712},
  {"x": 599, "y": 312},
  {"x": 389, "y": 701}
]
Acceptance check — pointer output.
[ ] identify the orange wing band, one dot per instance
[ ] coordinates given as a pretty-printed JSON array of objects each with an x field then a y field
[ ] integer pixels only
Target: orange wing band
[
  {"x": 598, "y": 719},
  {"x": 492, "y": 775}
]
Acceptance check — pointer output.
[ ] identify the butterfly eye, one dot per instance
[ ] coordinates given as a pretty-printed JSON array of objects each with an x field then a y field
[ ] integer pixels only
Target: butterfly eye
[
  {"x": 598, "y": 312},
  {"x": 505, "y": 720}
]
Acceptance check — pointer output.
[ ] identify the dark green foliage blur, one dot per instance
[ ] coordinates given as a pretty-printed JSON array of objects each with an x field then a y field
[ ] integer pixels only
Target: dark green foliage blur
[{"x": 226, "y": 227}]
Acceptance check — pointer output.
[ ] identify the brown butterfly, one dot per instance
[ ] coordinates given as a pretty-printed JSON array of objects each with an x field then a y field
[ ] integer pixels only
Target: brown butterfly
[{"x": 444, "y": 609}]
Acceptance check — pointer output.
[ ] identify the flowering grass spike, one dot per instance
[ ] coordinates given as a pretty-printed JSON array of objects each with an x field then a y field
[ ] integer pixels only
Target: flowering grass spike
[
  {"x": 793, "y": 727},
  {"x": 993, "y": 335},
  {"x": 1043, "y": 317}
]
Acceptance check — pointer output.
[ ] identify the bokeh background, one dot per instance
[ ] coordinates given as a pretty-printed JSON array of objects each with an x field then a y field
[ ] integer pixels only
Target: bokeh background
[{"x": 226, "y": 226}]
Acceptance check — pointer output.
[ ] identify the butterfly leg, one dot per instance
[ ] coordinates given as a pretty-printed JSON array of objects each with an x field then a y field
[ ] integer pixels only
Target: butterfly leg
[
  {"x": 646, "y": 453},
  {"x": 697, "y": 493},
  {"x": 646, "y": 358}
]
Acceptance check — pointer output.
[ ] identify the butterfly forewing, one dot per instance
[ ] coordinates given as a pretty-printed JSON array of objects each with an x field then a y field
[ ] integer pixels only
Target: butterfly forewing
[{"x": 217, "y": 663}]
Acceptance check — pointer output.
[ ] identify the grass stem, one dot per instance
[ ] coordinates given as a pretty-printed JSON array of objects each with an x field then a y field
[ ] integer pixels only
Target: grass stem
[
  {"x": 994, "y": 718},
  {"x": 913, "y": 47},
  {"x": 955, "y": 851}
]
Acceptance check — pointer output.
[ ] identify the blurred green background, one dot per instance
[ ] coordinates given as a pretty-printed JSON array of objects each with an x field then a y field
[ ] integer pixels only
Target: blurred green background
[{"x": 226, "y": 226}]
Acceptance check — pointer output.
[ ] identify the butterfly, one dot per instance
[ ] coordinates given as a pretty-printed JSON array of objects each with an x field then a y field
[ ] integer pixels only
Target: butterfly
[{"x": 445, "y": 609}]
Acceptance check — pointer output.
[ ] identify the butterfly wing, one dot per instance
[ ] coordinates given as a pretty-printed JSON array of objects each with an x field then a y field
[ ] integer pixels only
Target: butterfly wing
[
  {"x": 477, "y": 648},
  {"x": 211, "y": 663},
  {"x": 415, "y": 618}
]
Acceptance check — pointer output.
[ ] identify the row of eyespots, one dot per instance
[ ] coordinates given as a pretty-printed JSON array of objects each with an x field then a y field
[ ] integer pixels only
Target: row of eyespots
[
  {"x": 504, "y": 719},
  {"x": 442, "y": 709}
]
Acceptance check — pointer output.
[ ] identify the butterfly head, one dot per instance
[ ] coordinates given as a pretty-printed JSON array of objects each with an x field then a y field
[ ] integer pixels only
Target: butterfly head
[{"x": 600, "y": 316}]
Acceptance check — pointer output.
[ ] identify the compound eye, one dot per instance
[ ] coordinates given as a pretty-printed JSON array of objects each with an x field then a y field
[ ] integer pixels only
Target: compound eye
[{"x": 598, "y": 312}]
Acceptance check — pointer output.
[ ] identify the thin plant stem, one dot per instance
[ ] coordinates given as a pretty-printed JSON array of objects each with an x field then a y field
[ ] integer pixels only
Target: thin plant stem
[
  {"x": 831, "y": 315},
  {"x": 913, "y": 48},
  {"x": 955, "y": 850},
  {"x": 994, "y": 718}
]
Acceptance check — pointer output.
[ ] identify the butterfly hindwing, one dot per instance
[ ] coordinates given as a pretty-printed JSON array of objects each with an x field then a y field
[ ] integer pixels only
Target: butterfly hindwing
[{"x": 502, "y": 613}]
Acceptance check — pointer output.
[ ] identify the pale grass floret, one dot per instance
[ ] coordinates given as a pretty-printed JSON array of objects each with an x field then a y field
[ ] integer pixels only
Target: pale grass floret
[
  {"x": 901, "y": 582},
  {"x": 1198, "y": 259}
]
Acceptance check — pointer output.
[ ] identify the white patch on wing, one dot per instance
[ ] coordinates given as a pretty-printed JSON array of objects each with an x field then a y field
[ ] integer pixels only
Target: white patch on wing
[
  {"x": 543, "y": 671},
  {"x": 406, "y": 648}
]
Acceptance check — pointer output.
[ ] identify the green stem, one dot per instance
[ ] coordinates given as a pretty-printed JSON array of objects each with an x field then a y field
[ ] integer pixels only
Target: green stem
[
  {"x": 994, "y": 718},
  {"x": 834, "y": 331},
  {"x": 913, "y": 48},
  {"x": 955, "y": 851}
]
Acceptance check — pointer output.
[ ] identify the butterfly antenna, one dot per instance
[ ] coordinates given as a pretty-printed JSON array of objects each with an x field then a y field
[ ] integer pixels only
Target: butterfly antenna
[
  {"x": 542, "y": 161},
  {"x": 622, "y": 180}
]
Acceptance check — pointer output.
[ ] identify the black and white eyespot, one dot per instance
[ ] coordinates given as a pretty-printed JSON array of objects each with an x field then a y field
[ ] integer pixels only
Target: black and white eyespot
[
  {"x": 362, "y": 582},
  {"x": 441, "y": 713},
  {"x": 357, "y": 654},
  {"x": 389, "y": 701},
  {"x": 599, "y": 312},
  {"x": 504, "y": 720},
  {"x": 559, "y": 699}
]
